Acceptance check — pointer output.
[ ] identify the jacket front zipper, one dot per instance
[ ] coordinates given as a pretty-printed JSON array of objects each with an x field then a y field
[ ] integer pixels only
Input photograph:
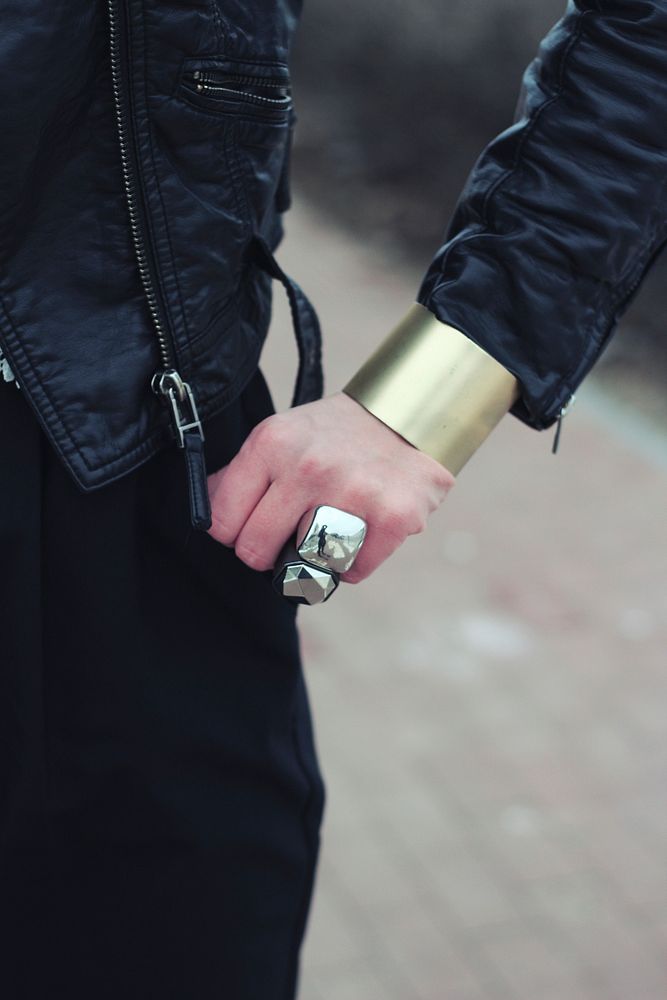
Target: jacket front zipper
[
  {"x": 167, "y": 382},
  {"x": 6, "y": 370}
]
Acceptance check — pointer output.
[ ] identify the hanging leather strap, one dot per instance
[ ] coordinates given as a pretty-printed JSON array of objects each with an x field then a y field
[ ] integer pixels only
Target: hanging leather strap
[{"x": 310, "y": 377}]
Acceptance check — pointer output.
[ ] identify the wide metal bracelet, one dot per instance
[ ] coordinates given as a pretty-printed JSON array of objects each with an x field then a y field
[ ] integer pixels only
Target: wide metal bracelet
[{"x": 435, "y": 387}]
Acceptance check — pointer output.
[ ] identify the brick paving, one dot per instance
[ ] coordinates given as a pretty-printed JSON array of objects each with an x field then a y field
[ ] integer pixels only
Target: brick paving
[{"x": 491, "y": 706}]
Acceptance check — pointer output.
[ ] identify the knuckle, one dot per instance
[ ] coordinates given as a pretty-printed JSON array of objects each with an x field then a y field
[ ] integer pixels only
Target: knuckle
[
  {"x": 360, "y": 493},
  {"x": 219, "y": 531},
  {"x": 386, "y": 521},
  {"x": 312, "y": 467},
  {"x": 268, "y": 435},
  {"x": 417, "y": 523},
  {"x": 445, "y": 481},
  {"x": 397, "y": 520},
  {"x": 433, "y": 474},
  {"x": 251, "y": 558},
  {"x": 440, "y": 477},
  {"x": 435, "y": 500}
]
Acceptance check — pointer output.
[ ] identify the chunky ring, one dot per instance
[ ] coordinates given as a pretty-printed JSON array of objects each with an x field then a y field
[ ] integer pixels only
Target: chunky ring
[{"x": 308, "y": 572}]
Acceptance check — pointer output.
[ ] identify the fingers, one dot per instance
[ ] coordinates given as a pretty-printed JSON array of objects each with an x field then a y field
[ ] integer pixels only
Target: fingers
[
  {"x": 292, "y": 462},
  {"x": 374, "y": 551},
  {"x": 275, "y": 518},
  {"x": 257, "y": 516},
  {"x": 272, "y": 523},
  {"x": 235, "y": 491},
  {"x": 387, "y": 529}
]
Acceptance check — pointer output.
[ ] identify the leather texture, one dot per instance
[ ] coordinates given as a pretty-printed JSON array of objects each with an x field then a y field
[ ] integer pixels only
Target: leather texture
[
  {"x": 559, "y": 221},
  {"x": 74, "y": 321},
  {"x": 566, "y": 210},
  {"x": 200, "y": 503},
  {"x": 309, "y": 379}
]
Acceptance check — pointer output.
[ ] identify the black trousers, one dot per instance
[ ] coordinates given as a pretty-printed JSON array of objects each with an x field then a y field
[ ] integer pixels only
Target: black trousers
[{"x": 160, "y": 798}]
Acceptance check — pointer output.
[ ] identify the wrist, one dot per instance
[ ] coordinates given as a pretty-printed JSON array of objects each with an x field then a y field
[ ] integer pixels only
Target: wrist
[{"x": 435, "y": 387}]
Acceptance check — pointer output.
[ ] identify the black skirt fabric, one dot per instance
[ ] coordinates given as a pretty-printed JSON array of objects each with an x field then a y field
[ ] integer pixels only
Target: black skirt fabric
[{"x": 160, "y": 798}]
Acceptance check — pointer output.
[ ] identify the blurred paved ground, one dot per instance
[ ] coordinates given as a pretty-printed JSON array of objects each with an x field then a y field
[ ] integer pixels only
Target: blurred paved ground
[{"x": 491, "y": 707}]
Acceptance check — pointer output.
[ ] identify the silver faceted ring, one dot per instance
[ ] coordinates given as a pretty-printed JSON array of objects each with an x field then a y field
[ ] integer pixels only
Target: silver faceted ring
[
  {"x": 332, "y": 539},
  {"x": 308, "y": 571}
]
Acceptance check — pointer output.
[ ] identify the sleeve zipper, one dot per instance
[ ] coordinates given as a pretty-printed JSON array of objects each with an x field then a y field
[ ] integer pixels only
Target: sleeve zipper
[{"x": 562, "y": 413}]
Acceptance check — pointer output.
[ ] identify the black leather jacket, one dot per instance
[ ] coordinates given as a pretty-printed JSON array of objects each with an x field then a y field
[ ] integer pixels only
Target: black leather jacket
[
  {"x": 564, "y": 211},
  {"x": 145, "y": 166},
  {"x": 143, "y": 172}
]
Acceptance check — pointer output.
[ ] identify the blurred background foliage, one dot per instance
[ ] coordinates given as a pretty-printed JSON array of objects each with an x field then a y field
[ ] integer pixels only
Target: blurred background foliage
[{"x": 396, "y": 99}]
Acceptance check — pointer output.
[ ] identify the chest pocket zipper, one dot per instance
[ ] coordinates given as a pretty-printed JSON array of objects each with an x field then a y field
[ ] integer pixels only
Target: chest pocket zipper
[{"x": 271, "y": 94}]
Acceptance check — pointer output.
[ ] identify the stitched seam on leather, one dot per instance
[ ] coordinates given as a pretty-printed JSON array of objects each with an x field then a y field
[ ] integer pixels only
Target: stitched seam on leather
[
  {"x": 200, "y": 492},
  {"x": 149, "y": 134},
  {"x": 640, "y": 262},
  {"x": 202, "y": 340},
  {"x": 206, "y": 409},
  {"x": 33, "y": 371},
  {"x": 622, "y": 292},
  {"x": 535, "y": 118},
  {"x": 608, "y": 314},
  {"x": 226, "y": 58},
  {"x": 192, "y": 480},
  {"x": 238, "y": 180},
  {"x": 530, "y": 126},
  {"x": 56, "y": 417},
  {"x": 213, "y": 405},
  {"x": 217, "y": 23},
  {"x": 595, "y": 343},
  {"x": 28, "y": 361}
]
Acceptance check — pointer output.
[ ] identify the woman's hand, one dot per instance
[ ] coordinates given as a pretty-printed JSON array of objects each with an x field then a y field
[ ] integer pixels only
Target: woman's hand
[{"x": 335, "y": 452}]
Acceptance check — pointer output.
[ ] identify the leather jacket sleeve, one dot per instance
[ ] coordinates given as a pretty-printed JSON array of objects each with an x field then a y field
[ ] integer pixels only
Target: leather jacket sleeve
[{"x": 564, "y": 211}]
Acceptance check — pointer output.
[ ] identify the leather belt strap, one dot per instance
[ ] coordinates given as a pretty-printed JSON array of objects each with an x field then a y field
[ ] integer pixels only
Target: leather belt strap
[{"x": 310, "y": 377}]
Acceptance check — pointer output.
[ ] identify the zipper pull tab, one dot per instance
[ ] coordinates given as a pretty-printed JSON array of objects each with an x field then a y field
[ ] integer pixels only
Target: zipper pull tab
[
  {"x": 565, "y": 409},
  {"x": 200, "y": 504},
  {"x": 5, "y": 369},
  {"x": 178, "y": 393}
]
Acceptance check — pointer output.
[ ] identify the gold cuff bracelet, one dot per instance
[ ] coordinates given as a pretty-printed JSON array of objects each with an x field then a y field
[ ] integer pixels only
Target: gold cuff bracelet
[{"x": 435, "y": 387}]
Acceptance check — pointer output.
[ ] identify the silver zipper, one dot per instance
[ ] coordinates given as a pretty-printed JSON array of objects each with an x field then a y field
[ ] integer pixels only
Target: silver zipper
[
  {"x": 562, "y": 413},
  {"x": 166, "y": 349},
  {"x": 205, "y": 83},
  {"x": 6, "y": 370},
  {"x": 171, "y": 386},
  {"x": 167, "y": 382}
]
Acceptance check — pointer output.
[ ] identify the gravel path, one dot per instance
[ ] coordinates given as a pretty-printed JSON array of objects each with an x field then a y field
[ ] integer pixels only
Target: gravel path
[{"x": 491, "y": 707}]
